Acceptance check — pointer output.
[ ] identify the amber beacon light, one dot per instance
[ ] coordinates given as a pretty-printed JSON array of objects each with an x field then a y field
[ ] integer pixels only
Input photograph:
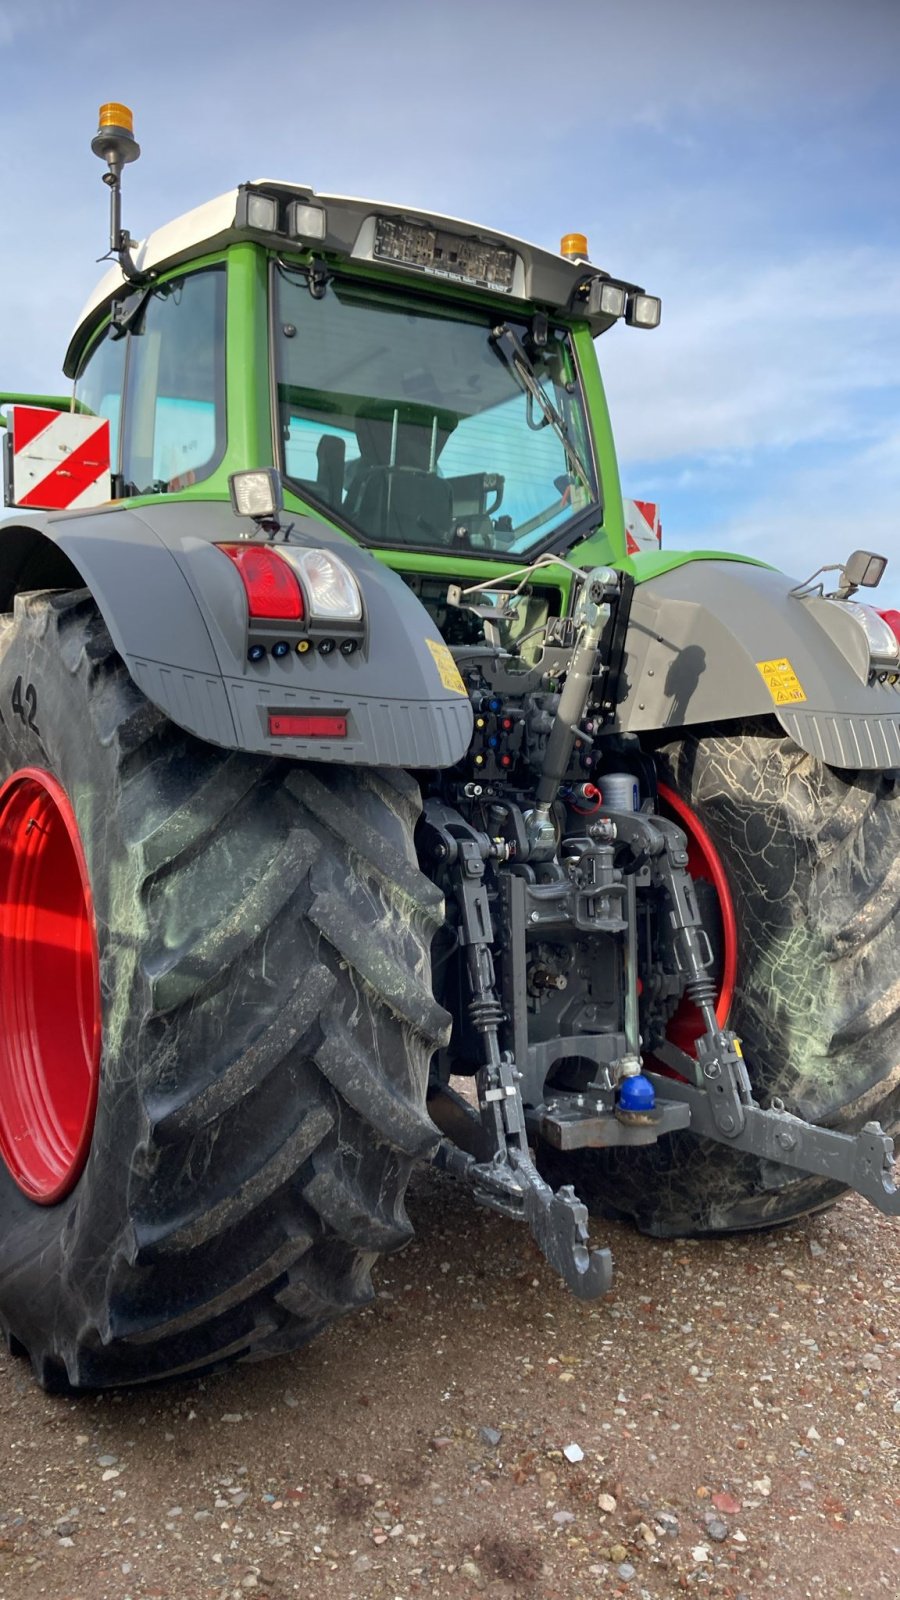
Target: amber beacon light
[
  {"x": 114, "y": 143},
  {"x": 574, "y": 245}
]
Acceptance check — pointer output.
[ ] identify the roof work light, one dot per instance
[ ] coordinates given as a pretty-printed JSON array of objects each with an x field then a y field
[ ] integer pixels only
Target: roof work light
[{"x": 643, "y": 311}]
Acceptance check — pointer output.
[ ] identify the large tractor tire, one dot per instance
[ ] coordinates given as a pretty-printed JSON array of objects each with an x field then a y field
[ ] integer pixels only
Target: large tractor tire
[
  {"x": 216, "y": 1022},
  {"x": 811, "y": 864}
]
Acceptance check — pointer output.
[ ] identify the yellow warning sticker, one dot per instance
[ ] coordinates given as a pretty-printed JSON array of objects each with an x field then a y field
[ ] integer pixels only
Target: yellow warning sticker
[
  {"x": 782, "y": 682},
  {"x": 448, "y": 672}
]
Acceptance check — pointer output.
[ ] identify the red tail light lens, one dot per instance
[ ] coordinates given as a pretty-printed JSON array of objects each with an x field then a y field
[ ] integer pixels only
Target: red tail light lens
[{"x": 271, "y": 586}]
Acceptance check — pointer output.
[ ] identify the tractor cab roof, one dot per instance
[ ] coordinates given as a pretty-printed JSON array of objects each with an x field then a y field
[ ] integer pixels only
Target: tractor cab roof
[{"x": 404, "y": 239}]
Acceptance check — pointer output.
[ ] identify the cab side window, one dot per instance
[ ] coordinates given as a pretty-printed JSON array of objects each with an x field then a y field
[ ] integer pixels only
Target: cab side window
[
  {"x": 174, "y": 432},
  {"x": 100, "y": 386}
]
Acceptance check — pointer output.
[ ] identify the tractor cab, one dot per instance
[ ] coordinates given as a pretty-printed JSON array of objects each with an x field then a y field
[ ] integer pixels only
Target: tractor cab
[{"x": 423, "y": 385}]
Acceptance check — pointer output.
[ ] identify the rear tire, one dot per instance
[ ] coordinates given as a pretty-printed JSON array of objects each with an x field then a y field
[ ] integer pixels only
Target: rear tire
[
  {"x": 267, "y": 1025},
  {"x": 812, "y": 858}
]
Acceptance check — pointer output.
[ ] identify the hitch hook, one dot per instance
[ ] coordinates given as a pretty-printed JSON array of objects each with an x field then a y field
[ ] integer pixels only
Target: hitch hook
[{"x": 558, "y": 1223}]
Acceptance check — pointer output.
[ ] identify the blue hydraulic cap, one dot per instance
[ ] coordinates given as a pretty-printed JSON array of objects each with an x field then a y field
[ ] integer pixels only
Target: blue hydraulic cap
[{"x": 636, "y": 1094}]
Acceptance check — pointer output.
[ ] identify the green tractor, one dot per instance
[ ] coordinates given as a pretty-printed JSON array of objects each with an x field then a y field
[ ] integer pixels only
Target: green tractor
[{"x": 346, "y": 753}]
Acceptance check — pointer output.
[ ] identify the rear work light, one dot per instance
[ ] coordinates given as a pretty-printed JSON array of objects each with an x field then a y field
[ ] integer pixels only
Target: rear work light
[
  {"x": 309, "y": 725},
  {"x": 306, "y": 221},
  {"x": 610, "y": 299},
  {"x": 270, "y": 583},
  {"x": 643, "y": 311}
]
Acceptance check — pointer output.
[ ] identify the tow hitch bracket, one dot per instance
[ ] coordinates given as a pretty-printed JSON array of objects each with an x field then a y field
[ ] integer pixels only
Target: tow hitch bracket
[
  {"x": 718, "y": 1090},
  {"x": 862, "y": 1161}
]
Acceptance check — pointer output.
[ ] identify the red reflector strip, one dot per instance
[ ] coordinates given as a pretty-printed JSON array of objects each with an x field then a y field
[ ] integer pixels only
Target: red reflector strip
[{"x": 310, "y": 726}]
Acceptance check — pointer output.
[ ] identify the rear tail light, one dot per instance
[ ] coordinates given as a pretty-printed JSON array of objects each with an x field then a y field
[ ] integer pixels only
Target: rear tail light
[
  {"x": 271, "y": 585},
  {"x": 892, "y": 618},
  {"x": 882, "y": 636},
  {"x": 330, "y": 587}
]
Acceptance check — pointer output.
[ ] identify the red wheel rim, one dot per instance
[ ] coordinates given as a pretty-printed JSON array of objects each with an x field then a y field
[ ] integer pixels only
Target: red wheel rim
[
  {"x": 704, "y": 864},
  {"x": 50, "y": 1017}
]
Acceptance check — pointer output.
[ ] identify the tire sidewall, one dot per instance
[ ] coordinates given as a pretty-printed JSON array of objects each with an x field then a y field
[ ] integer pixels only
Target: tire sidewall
[
  {"x": 767, "y": 807},
  {"x": 54, "y": 1256}
]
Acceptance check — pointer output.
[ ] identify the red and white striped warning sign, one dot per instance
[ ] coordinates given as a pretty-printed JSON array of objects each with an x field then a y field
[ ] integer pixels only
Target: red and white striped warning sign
[
  {"x": 643, "y": 530},
  {"x": 60, "y": 460}
]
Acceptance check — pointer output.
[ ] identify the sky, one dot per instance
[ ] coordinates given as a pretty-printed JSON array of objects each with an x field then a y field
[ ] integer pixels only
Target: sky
[{"x": 741, "y": 160}]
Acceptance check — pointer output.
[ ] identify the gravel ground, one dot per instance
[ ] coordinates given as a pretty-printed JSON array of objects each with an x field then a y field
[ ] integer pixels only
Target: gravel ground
[{"x": 727, "y": 1423}]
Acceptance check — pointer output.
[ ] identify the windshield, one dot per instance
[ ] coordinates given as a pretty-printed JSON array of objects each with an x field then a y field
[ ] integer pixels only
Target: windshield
[{"x": 410, "y": 421}]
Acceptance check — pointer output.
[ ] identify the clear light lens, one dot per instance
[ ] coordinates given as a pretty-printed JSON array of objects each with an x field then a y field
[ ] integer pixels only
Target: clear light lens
[
  {"x": 262, "y": 212},
  {"x": 331, "y": 589},
  {"x": 305, "y": 221},
  {"x": 606, "y": 299},
  {"x": 255, "y": 494},
  {"x": 884, "y": 646},
  {"x": 892, "y": 618},
  {"x": 612, "y": 300},
  {"x": 644, "y": 311}
]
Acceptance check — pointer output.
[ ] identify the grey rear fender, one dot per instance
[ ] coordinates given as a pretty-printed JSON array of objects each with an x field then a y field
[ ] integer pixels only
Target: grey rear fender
[
  {"x": 717, "y": 640},
  {"x": 176, "y": 612}
]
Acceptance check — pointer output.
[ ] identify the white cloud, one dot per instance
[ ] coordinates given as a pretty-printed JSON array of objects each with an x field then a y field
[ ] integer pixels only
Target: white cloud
[
  {"x": 765, "y": 356},
  {"x": 35, "y": 17},
  {"x": 799, "y": 514},
  {"x": 774, "y": 391}
]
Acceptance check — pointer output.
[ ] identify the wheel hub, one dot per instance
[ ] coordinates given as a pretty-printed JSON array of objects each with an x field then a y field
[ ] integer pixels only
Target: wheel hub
[{"x": 50, "y": 1013}]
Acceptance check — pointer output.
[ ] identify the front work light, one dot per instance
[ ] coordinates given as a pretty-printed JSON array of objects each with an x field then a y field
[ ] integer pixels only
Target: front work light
[
  {"x": 256, "y": 494},
  {"x": 643, "y": 311}
]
